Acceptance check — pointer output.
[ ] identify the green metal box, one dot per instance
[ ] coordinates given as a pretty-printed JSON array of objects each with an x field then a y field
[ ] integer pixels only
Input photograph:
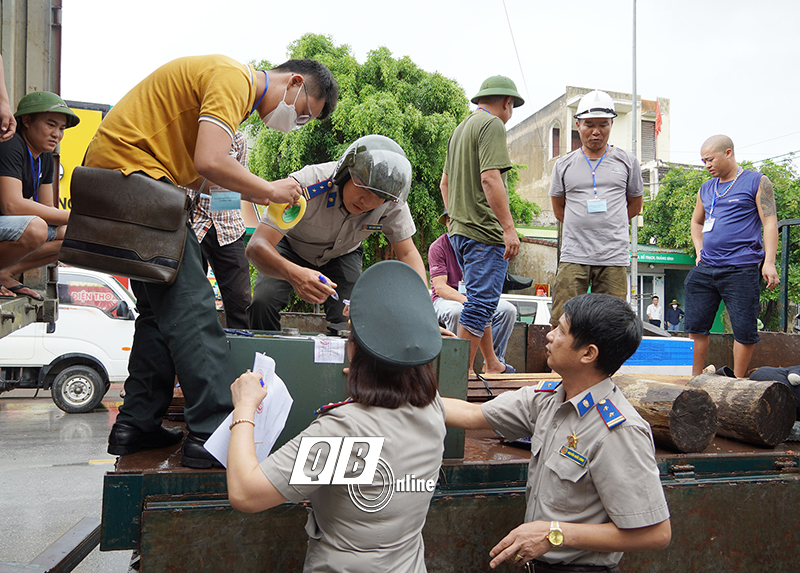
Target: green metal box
[{"x": 315, "y": 384}]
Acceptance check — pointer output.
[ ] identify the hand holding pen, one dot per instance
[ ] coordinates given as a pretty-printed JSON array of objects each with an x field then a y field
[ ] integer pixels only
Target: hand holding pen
[{"x": 324, "y": 281}]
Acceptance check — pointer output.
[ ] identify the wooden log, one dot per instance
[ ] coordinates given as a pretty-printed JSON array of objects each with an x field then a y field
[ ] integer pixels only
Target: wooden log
[
  {"x": 683, "y": 419},
  {"x": 752, "y": 411}
]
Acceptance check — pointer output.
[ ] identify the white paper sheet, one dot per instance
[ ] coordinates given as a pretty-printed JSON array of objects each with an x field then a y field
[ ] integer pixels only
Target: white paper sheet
[
  {"x": 270, "y": 416},
  {"x": 329, "y": 350}
]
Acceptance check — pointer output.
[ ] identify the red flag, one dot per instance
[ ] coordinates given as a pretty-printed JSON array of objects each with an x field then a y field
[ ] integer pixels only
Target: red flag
[{"x": 658, "y": 117}]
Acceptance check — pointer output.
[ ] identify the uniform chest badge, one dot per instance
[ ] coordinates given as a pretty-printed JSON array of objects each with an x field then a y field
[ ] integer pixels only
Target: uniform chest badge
[
  {"x": 572, "y": 440},
  {"x": 573, "y": 455}
]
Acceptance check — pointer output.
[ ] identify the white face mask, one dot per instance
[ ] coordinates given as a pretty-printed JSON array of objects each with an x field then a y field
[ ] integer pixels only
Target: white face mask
[
  {"x": 284, "y": 117},
  {"x": 674, "y": 306}
]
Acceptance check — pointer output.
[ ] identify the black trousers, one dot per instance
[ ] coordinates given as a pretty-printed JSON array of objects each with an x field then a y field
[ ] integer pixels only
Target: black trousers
[
  {"x": 271, "y": 295},
  {"x": 232, "y": 271},
  {"x": 178, "y": 333}
]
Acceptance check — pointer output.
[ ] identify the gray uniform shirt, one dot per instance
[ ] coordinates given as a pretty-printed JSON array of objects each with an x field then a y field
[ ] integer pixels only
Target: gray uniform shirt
[
  {"x": 600, "y": 238},
  {"x": 343, "y": 537},
  {"x": 325, "y": 233},
  {"x": 619, "y": 481}
]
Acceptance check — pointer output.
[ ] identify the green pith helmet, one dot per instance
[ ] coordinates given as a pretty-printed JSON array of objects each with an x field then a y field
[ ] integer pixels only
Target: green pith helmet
[
  {"x": 43, "y": 102},
  {"x": 392, "y": 316},
  {"x": 499, "y": 85},
  {"x": 377, "y": 163}
]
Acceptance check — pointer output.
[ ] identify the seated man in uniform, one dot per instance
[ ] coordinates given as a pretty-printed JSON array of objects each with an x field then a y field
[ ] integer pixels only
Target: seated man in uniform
[
  {"x": 364, "y": 192},
  {"x": 593, "y": 485}
]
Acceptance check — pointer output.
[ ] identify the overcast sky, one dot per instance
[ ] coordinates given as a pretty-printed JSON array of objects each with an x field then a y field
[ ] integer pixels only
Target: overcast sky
[{"x": 728, "y": 66}]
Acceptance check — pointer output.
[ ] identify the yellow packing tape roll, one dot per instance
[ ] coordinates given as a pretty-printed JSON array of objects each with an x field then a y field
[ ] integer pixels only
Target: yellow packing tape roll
[{"x": 286, "y": 216}]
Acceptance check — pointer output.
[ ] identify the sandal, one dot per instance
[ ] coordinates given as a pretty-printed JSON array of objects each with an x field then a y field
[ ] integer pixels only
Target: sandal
[
  {"x": 12, "y": 295},
  {"x": 35, "y": 295}
]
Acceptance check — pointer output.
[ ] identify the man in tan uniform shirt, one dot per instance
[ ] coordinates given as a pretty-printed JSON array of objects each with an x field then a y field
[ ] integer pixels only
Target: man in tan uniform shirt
[{"x": 593, "y": 485}]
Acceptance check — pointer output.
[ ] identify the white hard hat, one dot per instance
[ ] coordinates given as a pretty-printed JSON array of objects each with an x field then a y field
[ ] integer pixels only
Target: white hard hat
[{"x": 596, "y": 104}]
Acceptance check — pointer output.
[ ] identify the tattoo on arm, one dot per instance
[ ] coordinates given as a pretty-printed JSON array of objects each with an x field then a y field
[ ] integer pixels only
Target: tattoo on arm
[{"x": 767, "y": 197}]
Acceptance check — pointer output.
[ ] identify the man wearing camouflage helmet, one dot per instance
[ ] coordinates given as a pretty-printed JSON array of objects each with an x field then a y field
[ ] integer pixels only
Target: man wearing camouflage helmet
[
  {"x": 363, "y": 193},
  {"x": 476, "y": 198},
  {"x": 595, "y": 191}
]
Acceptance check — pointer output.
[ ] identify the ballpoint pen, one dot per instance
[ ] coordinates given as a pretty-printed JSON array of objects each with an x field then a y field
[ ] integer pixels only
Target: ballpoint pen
[{"x": 324, "y": 281}]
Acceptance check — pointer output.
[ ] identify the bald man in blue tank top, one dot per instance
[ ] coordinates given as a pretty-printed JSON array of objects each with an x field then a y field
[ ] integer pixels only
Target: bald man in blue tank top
[{"x": 732, "y": 256}]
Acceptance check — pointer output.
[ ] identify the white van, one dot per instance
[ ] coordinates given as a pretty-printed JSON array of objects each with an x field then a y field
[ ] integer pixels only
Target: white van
[
  {"x": 530, "y": 309},
  {"x": 79, "y": 355}
]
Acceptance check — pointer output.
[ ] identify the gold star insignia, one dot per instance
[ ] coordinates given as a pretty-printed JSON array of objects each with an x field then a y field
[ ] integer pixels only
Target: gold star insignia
[{"x": 572, "y": 440}]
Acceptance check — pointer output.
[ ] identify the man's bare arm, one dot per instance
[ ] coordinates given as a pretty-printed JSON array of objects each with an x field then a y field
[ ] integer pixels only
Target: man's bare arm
[
  {"x": 495, "y": 191},
  {"x": 445, "y": 291},
  {"x": 265, "y": 257},
  {"x": 698, "y": 220},
  {"x": 634, "y": 206},
  {"x": 559, "y": 205},
  {"x": 765, "y": 200},
  {"x": 213, "y": 160},
  {"x": 529, "y": 540},
  {"x": 464, "y": 415}
]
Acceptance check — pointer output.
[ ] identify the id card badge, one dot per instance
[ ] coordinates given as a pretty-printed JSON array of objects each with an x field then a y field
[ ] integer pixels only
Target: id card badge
[
  {"x": 225, "y": 200},
  {"x": 709, "y": 224},
  {"x": 597, "y": 206}
]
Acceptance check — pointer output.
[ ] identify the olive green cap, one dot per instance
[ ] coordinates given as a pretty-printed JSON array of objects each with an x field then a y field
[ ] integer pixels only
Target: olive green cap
[
  {"x": 499, "y": 85},
  {"x": 392, "y": 316},
  {"x": 43, "y": 102}
]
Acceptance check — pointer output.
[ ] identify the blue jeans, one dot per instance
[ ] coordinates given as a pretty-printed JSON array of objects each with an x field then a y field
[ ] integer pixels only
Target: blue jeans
[
  {"x": 484, "y": 272},
  {"x": 737, "y": 287},
  {"x": 449, "y": 313},
  {"x": 674, "y": 327}
]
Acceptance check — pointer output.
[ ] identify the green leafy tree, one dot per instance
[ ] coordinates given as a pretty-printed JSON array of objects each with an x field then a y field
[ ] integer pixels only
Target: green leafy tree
[
  {"x": 667, "y": 219},
  {"x": 387, "y": 96}
]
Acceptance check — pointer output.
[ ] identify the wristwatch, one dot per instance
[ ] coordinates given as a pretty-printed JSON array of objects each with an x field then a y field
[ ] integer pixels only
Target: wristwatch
[{"x": 555, "y": 536}]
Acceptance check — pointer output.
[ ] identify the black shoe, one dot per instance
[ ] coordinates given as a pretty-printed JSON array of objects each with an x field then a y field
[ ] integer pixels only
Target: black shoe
[
  {"x": 194, "y": 455},
  {"x": 127, "y": 439}
]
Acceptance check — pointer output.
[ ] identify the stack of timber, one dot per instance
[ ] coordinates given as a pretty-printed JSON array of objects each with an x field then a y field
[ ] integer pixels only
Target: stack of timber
[
  {"x": 683, "y": 419},
  {"x": 752, "y": 411},
  {"x": 685, "y": 413}
]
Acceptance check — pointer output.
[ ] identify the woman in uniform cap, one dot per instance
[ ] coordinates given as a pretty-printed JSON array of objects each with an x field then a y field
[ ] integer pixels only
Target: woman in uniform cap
[{"x": 393, "y": 394}]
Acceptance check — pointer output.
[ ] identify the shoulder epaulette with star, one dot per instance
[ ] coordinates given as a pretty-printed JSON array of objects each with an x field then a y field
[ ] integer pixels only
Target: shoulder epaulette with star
[
  {"x": 317, "y": 189},
  {"x": 330, "y": 406},
  {"x": 547, "y": 385},
  {"x": 610, "y": 414}
]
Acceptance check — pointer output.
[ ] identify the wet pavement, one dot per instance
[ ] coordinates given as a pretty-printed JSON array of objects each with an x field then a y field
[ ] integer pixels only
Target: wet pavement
[{"x": 51, "y": 475}]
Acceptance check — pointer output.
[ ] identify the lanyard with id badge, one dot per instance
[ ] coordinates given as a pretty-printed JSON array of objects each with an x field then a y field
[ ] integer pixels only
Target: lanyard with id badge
[
  {"x": 221, "y": 200},
  {"x": 595, "y": 205},
  {"x": 709, "y": 222}
]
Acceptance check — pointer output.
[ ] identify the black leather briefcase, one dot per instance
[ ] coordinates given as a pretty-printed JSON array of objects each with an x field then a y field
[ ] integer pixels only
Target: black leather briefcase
[{"x": 133, "y": 226}]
